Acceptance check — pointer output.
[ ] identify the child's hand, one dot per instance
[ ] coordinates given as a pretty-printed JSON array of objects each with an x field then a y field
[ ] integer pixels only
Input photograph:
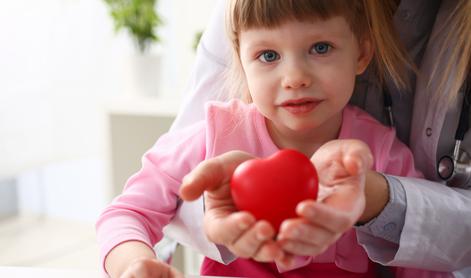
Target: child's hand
[
  {"x": 150, "y": 268},
  {"x": 342, "y": 166},
  {"x": 134, "y": 259},
  {"x": 238, "y": 231}
]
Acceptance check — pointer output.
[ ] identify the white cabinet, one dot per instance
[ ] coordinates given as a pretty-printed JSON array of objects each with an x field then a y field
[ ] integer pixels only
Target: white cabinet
[{"x": 134, "y": 125}]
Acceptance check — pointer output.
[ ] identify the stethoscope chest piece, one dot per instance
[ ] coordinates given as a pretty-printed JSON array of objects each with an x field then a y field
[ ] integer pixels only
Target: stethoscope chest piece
[
  {"x": 456, "y": 173},
  {"x": 445, "y": 167}
]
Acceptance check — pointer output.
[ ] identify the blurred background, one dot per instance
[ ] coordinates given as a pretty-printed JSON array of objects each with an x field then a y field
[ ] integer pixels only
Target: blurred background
[{"x": 80, "y": 102}]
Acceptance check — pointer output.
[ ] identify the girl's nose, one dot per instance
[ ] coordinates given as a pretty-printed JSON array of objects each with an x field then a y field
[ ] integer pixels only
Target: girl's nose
[{"x": 296, "y": 76}]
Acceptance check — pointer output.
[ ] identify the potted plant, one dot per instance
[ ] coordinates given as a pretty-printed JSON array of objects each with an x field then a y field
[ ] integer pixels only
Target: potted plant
[{"x": 141, "y": 20}]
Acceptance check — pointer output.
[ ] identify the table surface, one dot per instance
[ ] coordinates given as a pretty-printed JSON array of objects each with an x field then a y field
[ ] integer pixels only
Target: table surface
[
  {"x": 36, "y": 272},
  {"x": 20, "y": 272}
]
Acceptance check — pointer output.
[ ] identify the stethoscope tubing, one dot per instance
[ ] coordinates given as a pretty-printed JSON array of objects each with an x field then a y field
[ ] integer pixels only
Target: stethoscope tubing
[{"x": 449, "y": 168}]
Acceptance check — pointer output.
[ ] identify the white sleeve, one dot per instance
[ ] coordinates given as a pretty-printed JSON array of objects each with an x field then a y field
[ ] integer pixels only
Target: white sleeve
[
  {"x": 437, "y": 228},
  {"x": 436, "y": 233},
  {"x": 206, "y": 80}
]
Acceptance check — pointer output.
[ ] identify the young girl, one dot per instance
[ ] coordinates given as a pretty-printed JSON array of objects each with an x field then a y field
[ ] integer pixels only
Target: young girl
[{"x": 297, "y": 60}]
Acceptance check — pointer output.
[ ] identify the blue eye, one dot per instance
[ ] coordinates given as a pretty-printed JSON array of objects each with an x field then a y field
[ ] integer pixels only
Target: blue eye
[
  {"x": 269, "y": 56},
  {"x": 321, "y": 48}
]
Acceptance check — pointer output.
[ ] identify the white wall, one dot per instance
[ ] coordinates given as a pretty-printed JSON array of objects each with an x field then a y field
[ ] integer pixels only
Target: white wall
[
  {"x": 185, "y": 18},
  {"x": 60, "y": 59},
  {"x": 61, "y": 63}
]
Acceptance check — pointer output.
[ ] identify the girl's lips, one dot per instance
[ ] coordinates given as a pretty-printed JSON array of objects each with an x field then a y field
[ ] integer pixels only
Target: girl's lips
[{"x": 300, "y": 106}]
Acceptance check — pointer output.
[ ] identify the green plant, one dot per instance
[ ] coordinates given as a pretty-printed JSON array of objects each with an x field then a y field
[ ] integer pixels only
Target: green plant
[
  {"x": 139, "y": 18},
  {"x": 196, "y": 39}
]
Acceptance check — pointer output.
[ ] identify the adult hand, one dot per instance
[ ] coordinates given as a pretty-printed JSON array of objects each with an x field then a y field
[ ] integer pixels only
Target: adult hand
[
  {"x": 150, "y": 268},
  {"x": 238, "y": 231},
  {"x": 342, "y": 166}
]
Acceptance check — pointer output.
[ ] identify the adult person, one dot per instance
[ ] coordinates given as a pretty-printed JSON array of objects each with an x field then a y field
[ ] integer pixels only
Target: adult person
[{"x": 420, "y": 223}]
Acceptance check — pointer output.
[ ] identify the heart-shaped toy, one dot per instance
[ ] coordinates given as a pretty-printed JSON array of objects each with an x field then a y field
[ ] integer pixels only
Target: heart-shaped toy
[{"x": 271, "y": 188}]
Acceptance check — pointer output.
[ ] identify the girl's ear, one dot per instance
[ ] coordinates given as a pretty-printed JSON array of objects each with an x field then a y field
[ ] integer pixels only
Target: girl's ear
[{"x": 365, "y": 55}]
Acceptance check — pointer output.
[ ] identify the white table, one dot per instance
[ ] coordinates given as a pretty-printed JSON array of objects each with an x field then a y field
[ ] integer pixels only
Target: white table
[{"x": 34, "y": 272}]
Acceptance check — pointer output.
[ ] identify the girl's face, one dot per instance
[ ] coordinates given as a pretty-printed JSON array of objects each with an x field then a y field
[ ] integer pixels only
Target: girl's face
[{"x": 301, "y": 75}]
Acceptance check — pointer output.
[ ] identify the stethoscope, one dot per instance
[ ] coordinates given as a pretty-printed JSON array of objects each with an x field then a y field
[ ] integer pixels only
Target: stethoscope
[{"x": 454, "y": 169}]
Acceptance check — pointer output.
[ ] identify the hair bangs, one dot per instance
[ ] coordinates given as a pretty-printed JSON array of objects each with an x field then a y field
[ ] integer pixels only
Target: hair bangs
[{"x": 273, "y": 13}]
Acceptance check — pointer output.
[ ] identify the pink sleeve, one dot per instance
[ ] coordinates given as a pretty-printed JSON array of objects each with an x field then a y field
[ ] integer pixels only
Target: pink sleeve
[{"x": 150, "y": 197}]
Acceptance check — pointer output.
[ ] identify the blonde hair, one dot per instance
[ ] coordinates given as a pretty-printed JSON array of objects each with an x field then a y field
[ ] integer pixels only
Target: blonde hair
[
  {"x": 368, "y": 19},
  {"x": 459, "y": 58},
  {"x": 391, "y": 58}
]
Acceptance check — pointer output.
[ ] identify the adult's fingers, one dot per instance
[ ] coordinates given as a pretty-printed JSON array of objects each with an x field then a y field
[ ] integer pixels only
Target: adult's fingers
[
  {"x": 211, "y": 173},
  {"x": 348, "y": 198},
  {"x": 354, "y": 155},
  {"x": 303, "y": 238},
  {"x": 357, "y": 157},
  {"x": 301, "y": 248},
  {"x": 323, "y": 215},
  {"x": 300, "y": 230}
]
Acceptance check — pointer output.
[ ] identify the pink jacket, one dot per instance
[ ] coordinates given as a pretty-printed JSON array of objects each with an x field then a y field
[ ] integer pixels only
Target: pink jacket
[{"x": 150, "y": 198}]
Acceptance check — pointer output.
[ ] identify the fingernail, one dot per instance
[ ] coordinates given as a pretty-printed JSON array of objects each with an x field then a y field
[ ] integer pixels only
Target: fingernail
[
  {"x": 260, "y": 236},
  {"x": 284, "y": 226},
  {"x": 308, "y": 212},
  {"x": 243, "y": 225},
  {"x": 186, "y": 178}
]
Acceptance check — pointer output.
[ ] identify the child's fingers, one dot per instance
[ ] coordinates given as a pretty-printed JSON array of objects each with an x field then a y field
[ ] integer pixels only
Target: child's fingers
[
  {"x": 150, "y": 268},
  {"x": 210, "y": 174},
  {"x": 247, "y": 245},
  {"x": 269, "y": 252},
  {"x": 245, "y": 237},
  {"x": 226, "y": 229}
]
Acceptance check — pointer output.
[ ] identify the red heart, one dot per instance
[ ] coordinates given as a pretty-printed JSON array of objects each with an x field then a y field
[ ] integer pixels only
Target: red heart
[{"x": 271, "y": 188}]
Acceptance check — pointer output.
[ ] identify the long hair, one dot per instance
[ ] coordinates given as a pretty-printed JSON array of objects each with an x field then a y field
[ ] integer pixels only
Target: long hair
[
  {"x": 457, "y": 55},
  {"x": 368, "y": 19},
  {"x": 391, "y": 58}
]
